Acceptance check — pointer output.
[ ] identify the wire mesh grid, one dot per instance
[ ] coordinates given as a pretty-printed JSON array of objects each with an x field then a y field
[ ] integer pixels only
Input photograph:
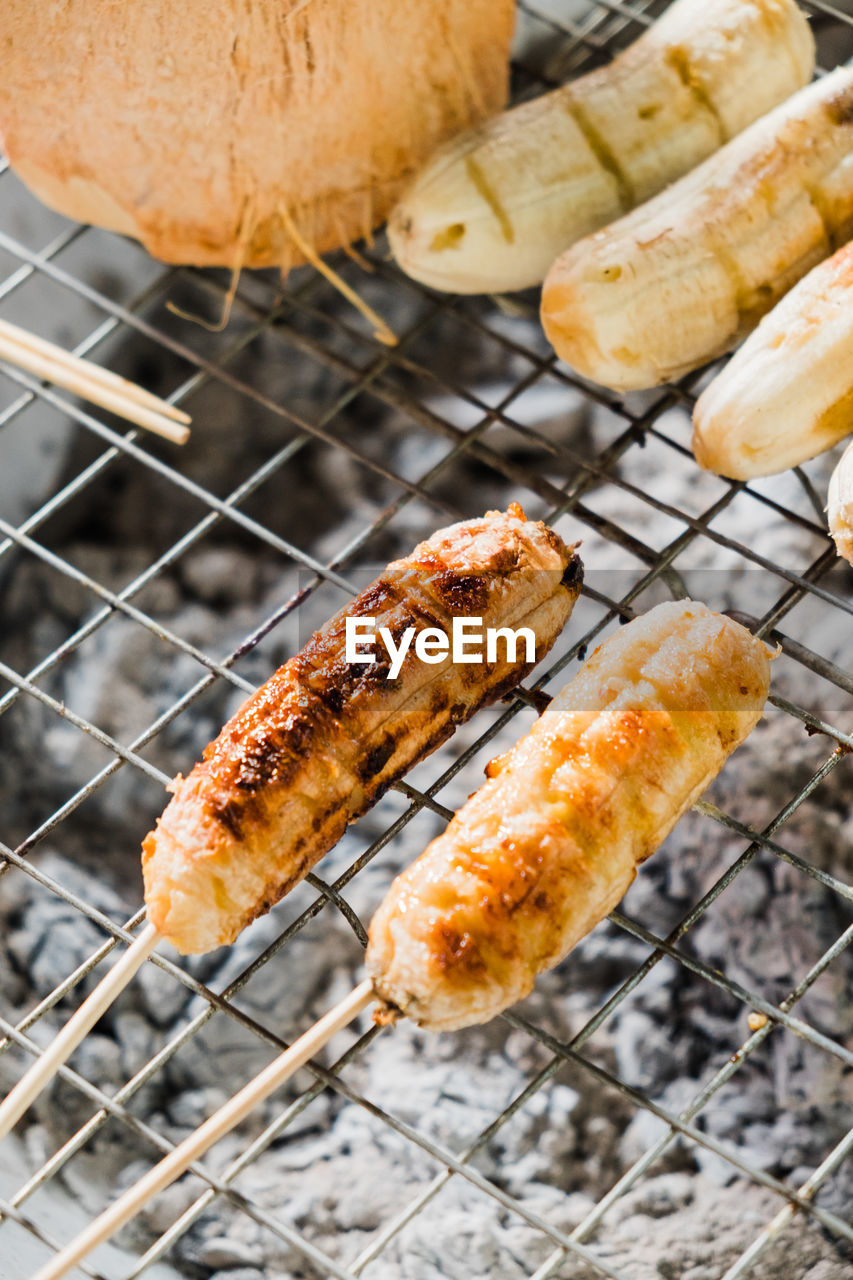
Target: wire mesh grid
[{"x": 297, "y": 318}]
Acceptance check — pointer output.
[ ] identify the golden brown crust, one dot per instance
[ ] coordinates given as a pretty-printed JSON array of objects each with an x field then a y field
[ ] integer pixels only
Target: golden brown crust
[
  {"x": 201, "y": 127},
  {"x": 323, "y": 738},
  {"x": 548, "y": 846}
]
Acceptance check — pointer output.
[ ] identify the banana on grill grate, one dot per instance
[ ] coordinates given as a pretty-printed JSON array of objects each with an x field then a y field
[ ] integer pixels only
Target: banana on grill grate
[
  {"x": 787, "y": 394},
  {"x": 324, "y": 738},
  {"x": 687, "y": 275},
  {"x": 493, "y": 208},
  {"x": 548, "y": 846}
]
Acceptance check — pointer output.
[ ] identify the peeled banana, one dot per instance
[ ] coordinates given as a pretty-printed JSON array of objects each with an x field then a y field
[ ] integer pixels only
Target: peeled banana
[
  {"x": 493, "y": 209},
  {"x": 839, "y": 505},
  {"x": 787, "y": 394},
  {"x": 684, "y": 277}
]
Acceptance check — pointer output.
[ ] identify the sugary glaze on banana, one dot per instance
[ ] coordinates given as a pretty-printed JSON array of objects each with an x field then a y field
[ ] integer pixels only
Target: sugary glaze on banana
[
  {"x": 684, "y": 277},
  {"x": 324, "y": 738},
  {"x": 494, "y": 207},
  {"x": 548, "y": 846}
]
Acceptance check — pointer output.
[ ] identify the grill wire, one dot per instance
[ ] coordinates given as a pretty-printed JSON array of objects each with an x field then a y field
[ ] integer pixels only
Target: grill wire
[{"x": 266, "y": 309}]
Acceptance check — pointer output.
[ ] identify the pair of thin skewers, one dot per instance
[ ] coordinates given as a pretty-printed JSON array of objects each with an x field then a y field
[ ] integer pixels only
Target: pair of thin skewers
[
  {"x": 533, "y": 860},
  {"x": 92, "y": 382}
]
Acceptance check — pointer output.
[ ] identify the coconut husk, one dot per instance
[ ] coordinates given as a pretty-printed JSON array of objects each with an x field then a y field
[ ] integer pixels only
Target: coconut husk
[{"x": 211, "y": 130}]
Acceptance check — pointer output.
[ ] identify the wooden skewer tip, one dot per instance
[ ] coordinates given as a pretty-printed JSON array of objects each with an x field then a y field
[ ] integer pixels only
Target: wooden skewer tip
[
  {"x": 221, "y": 1122},
  {"x": 91, "y": 381},
  {"x": 75, "y": 1030}
]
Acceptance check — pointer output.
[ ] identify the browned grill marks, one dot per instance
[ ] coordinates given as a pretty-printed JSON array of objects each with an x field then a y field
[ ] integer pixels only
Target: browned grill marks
[
  {"x": 324, "y": 738},
  {"x": 602, "y": 152},
  {"x": 741, "y": 293},
  {"x": 572, "y": 578},
  {"x": 374, "y": 599},
  {"x": 462, "y": 593},
  {"x": 457, "y": 951},
  {"x": 679, "y": 59},
  {"x": 230, "y": 813},
  {"x": 818, "y": 203},
  {"x": 840, "y": 107},
  {"x": 376, "y": 759},
  {"x": 487, "y": 191}
]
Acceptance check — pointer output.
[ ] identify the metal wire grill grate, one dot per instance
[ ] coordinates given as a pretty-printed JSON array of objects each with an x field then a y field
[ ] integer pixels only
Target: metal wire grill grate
[{"x": 558, "y": 481}]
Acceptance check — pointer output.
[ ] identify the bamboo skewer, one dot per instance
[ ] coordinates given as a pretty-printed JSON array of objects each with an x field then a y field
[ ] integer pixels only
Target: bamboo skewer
[
  {"x": 76, "y": 1029},
  {"x": 32, "y": 342},
  {"x": 101, "y": 386},
  {"x": 221, "y": 1122}
]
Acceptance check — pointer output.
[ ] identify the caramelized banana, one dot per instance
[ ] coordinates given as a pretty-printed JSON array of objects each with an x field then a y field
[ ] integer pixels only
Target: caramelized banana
[
  {"x": 548, "y": 846},
  {"x": 321, "y": 741}
]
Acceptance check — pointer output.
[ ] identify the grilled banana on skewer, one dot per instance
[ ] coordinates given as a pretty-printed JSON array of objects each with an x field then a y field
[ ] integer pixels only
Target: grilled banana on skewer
[
  {"x": 322, "y": 740},
  {"x": 684, "y": 277},
  {"x": 493, "y": 208},
  {"x": 327, "y": 734},
  {"x": 787, "y": 394},
  {"x": 548, "y": 846}
]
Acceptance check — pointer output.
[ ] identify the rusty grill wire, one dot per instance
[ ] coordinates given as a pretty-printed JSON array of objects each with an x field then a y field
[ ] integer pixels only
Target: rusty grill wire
[{"x": 579, "y": 43}]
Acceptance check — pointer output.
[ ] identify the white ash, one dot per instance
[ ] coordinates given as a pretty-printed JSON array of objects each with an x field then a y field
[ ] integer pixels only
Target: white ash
[{"x": 336, "y": 1173}]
